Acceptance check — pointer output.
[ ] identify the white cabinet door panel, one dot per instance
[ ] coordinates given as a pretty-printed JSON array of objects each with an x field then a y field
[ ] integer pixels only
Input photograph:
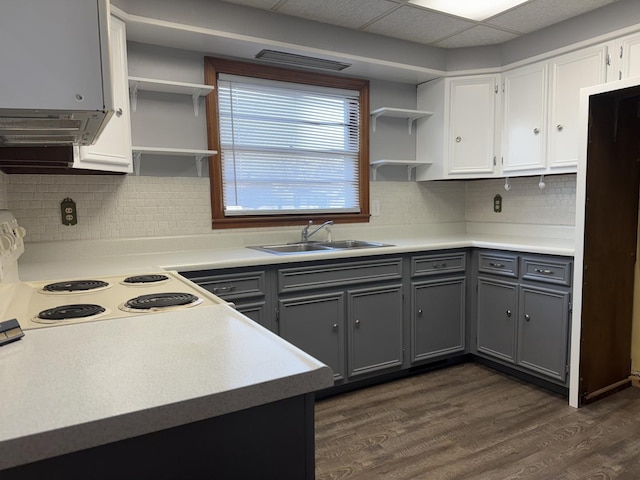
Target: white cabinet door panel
[
  {"x": 569, "y": 74},
  {"x": 524, "y": 118}
]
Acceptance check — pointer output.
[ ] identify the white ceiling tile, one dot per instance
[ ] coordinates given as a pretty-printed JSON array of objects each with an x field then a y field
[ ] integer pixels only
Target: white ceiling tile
[
  {"x": 350, "y": 14},
  {"x": 417, "y": 25},
  {"x": 476, "y": 36},
  {"x": 541, "y": 13}
]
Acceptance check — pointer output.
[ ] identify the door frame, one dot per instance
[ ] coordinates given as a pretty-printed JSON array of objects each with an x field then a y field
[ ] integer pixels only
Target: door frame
[{"x": 581, "y": 182}]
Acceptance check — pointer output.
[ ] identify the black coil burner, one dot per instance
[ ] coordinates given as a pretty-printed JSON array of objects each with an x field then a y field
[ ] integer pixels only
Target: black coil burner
[
  {"x": 75, "y": 286},
  {"x": 69, "y": 312},
  {"x": 161, "y": 300},
  {"x": 145, "y": 279}
]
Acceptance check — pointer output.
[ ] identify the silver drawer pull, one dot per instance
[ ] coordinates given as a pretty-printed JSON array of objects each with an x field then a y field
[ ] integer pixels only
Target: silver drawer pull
[
  {"x": 440, "y": 265},
  {"x": 225, "y": 289},
  {"x": 496, "y": 265},
  {"x": 544, "y": 271}
]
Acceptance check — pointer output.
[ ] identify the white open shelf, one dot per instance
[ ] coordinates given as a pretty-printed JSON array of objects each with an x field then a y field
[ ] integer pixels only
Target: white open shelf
[
  {"x": 194, "y": 90},
  {"x": 410, "y": 164},
  {"x": 410, "y": 115},
  {"x": 197, "y": 155}
]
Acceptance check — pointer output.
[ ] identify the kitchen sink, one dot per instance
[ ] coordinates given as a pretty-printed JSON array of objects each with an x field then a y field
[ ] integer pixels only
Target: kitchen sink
[
  {"x": 317, "y": 247},
  {"x": 352, "y": 244}
]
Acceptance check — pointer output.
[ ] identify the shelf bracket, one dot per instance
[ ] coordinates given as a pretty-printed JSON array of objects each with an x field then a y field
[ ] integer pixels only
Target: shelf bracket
[
  {"x": 374, "y": 117},
  {"x": 375, "y": 171},
  {"x": 137, "y": 159},
  {"x": 196, "y": 101},
  {"x": 410, "y": 122},
  {"x": 409, "y": 169},
  {"x": 199, "y": 158},
  {"x": 133, "y": 94}
]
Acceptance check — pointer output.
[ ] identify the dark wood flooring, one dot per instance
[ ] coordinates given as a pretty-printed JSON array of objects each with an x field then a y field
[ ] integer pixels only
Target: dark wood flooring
[{"x": 470, "y": 422}]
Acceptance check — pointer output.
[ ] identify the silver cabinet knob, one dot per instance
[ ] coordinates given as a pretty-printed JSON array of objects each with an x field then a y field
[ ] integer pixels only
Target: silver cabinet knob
[
  {"x": 559, "y": 127},
  {"x": 458, "y": 139},
  {"x": 357, "y": 322},
  {"x": 536, "y": 131},
  {"x": 509, "y": 313},
  {"x": 335, "y": 326},
  {"x": 527, "y": 318},
  {"x": 419, "y": 312},
  {"x": 119, "y": 112}
]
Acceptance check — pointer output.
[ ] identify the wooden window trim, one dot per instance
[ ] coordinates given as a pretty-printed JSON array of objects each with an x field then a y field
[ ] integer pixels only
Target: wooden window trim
[{"x": 213, "y": 66}]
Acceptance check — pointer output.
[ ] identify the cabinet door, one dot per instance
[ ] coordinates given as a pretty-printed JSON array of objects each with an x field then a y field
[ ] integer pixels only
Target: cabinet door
[
  {"x": 375, "y": 329},
  {"x": 525, "y": 96},
  {"x": 542, "y": 331},
  {"x": 315, "y": 324},
  {"x": 629, "y": 53},
  {"x": 497, "y": 316},
  {"x": 437, "y": 318},
  {"x": 472, "y": 130},
  {"x": 112, "y": 150},
  {"x": 569, "y": 73}
]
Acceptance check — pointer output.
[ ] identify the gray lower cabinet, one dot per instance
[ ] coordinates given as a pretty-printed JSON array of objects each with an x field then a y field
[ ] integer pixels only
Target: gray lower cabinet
[
  {"x": 316, "y": 324},
  {"x": 497, "y": 314},
  {"x": 375, "y": 329},
  {"x": 525, "y": 321},
  {"x": 438, "y": 298},
  {"x": 348, "y": 315},
  {"x": 248, "y": 290},
  {"x": 543, "y": 329}
]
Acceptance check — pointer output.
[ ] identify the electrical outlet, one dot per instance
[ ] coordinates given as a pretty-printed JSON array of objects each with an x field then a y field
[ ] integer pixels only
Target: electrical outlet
[
  {"x": 497, "y": 203},
  {"x": 68, "y": 212},
  {"x": 375, "y": 208}
]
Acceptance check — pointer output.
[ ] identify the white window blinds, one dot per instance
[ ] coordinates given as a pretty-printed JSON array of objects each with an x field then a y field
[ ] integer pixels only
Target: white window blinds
[{"x": 287, "y": 148}]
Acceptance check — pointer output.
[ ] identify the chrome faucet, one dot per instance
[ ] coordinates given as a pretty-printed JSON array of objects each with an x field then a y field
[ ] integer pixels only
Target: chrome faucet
[{"x": 305, "y": 234}]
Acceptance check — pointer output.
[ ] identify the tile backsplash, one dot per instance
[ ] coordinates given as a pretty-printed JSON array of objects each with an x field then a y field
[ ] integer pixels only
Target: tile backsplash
[{"x": 111, "y": 207}]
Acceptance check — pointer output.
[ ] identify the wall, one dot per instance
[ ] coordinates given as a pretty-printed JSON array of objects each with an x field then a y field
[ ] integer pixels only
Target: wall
[{"x": 3, "y": 191}]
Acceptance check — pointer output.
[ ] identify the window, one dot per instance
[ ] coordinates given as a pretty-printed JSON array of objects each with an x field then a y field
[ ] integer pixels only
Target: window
[{"x": 292, "y": 146}]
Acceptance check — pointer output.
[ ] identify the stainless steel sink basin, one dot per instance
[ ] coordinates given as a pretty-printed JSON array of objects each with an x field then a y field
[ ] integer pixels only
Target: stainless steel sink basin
[
  {"x": 292, "y": 248},
  {"x": 317, "y": 247},
  {"x": 352, "y": 244}
]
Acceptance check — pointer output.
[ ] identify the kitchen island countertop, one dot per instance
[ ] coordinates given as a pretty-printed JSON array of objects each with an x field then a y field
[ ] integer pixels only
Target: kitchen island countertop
[{"x": 131, "y": 376}]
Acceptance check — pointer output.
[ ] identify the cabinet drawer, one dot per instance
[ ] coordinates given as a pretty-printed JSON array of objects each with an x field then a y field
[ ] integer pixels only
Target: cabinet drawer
[
  {"x": 338, "y": 275},
  {"x": 438, "y": 264},
  {"x": 233, "y": 286},
  {"x": 547, "y": 270},
  {"x": 498, "y": 264}
]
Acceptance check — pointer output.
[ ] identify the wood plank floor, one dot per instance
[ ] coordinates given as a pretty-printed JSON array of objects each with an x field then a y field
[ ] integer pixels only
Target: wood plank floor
[{"x": 470, "y": 422}]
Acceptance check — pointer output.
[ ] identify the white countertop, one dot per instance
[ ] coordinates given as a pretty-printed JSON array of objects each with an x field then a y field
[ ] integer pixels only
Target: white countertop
[
  {"x": 78, "y": 259},
  {"x": 130, "y": 376}
]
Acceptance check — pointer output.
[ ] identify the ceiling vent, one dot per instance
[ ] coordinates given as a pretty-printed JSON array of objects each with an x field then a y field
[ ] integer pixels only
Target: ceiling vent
[{"x": 301, "y": 61}]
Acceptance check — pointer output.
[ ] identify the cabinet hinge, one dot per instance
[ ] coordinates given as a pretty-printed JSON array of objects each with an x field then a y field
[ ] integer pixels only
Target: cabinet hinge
[
  {"x": 502, "y": 87},
  {"x": 607, "y": 59},
  {"x": 621, "y": 49},
  {"x": 570, "y": 307},
  {"x": 494, "y": 160},
  {"x": 496, "y": 88},
  {"x": 502, "y": 161},
  {"x": 277, "y": 315},
  {"x": 566, "y": 369}
]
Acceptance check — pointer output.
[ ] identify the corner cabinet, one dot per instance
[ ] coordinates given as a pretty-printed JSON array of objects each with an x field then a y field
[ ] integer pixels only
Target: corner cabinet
[
  {"x": 348, "y": 315},
  {"x": 523, "y": 312},
  {"x": 462, "y": 138},
  {"x": 112, "y": 150}
]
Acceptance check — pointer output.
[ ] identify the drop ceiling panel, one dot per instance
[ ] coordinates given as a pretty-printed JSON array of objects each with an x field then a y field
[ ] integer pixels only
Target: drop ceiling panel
[
  {"x": 418, "y": 25},
  {"x": 477, "y": 36},
  {"x": 338, "y": 12},
  {"x": 538, "y": 14}
]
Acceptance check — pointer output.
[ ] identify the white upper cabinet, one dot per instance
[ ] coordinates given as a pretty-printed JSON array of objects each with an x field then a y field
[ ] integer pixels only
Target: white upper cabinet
[
  {"x": 462, "y": 137},
  {"x": 541, "y": 107},
  {"x": 524, "y": 121},
  {"x": 567, "y": 75},
  {"x": 112, "y": 150},
  {"x": 626, "y": 57}
]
